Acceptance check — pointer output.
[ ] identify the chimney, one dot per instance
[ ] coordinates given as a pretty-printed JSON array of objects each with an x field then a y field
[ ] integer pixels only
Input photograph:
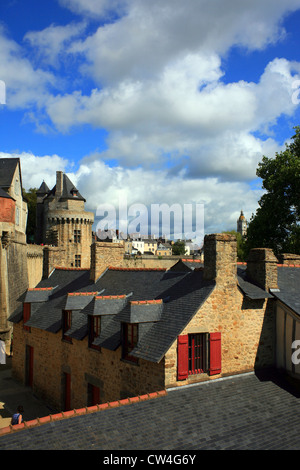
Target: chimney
[
  {"x": 220, "y": 258},
  {"x": 262, "y": 268},
  {"x": 59, "y": 183},
  {"x": 103, "y": 255}
]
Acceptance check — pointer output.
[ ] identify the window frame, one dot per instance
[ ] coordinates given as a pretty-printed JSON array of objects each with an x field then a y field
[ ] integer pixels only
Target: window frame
[
  {"x": 130, "y": 340},
  {"x": 77, "y": 236},
  {"x": 94, "y": 320},
  {"x": 197, "y": 353},
  {"x": 77, "y": 261},
  {"x": 67, "y": 324}
]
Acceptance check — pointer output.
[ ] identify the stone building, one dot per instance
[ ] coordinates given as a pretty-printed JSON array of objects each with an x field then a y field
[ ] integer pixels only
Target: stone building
[
  {"x": 86, "y": 336},
  {"x": 13, "y": 249},
  {"x": 63, "y": 225},
  {"x": 242, "y": 225}
]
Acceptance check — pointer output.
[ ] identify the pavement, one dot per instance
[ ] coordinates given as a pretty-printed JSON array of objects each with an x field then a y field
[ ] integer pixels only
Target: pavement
[
  {"x": 13, "y": 393},
  {"x": 243, "y": 412}
]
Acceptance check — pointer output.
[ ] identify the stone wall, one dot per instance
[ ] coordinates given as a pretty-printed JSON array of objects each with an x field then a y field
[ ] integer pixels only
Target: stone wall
[
  {"x": 34, "y": 264},
  {"x": 262, "y": 268},
  {"x": 115, "y": 377},
  {"x": 289, "y": 259},
  {"x": 247, "y": 326}
]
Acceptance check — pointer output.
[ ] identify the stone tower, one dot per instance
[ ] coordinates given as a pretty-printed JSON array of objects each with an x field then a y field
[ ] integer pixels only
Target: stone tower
[
  {"x": 64, "y": 224},
  {"x": 242, "y": 225},
  {"x": 13, "y": 248}
]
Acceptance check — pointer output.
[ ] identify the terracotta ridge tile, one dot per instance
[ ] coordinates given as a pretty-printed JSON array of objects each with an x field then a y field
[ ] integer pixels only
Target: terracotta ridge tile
[{"x": 80, "y": 411}]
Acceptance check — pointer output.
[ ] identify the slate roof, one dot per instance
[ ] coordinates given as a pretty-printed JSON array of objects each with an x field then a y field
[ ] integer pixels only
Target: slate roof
[
  {"x": 174, "y": 295},
  {"x": 289, "y": 285},
  {"x": 4, "y": 194},
  {"x": 43, "y": 189},
  {"x": 67, "y": 191},
  {"x": 181, "y": 293},
  {"x": 7, "y": 170},
  {"x": 249, "y": 289}
]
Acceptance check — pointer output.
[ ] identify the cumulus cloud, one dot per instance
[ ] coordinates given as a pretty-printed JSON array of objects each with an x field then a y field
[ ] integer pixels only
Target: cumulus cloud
[
  {"x": 25, "y": 84},
  {"x": 50, "y": 43},
  {"x": 35, "y": 169},
  {"x": 157, "y": 85}
]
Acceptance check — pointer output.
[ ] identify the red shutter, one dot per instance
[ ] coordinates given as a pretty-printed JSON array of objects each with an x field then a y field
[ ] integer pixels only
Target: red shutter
[
  {"x": 215, "y": 353},
  {"x": 182, "y": 357}
]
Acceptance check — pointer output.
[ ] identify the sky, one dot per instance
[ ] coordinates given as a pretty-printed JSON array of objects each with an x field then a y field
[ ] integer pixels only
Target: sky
[{"x": 150, "y": 102}]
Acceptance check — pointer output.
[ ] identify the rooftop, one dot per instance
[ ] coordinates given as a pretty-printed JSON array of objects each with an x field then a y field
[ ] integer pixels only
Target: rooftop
[{"x": 237, "y": 413}]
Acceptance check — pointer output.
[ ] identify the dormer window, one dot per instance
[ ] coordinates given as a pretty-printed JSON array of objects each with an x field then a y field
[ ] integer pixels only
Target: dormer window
[
  {"x": 74, "y": 192},
  {"x": 94, "y": 330},
  {"x": 67, "y": 323},
  {"x": 130, "y": 339}
]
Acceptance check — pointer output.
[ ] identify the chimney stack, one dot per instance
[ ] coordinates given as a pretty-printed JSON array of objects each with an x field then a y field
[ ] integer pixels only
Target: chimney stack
[
  {"x": 262, "y": 268},
  {"x": 220, "y": 258},
  {"x": 59, "y": 183},
  {"x": 103, "y": 255}
]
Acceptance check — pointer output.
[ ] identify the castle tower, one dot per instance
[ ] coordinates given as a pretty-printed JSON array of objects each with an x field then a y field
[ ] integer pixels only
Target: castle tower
[
  {"x": 65, "y": 223},
  {"x": 41, "y": 193},
  {"x": 242, "y": 225}
]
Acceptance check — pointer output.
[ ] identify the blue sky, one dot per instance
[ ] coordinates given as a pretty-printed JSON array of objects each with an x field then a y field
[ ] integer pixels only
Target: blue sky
[{"x": 156, "y": 102}]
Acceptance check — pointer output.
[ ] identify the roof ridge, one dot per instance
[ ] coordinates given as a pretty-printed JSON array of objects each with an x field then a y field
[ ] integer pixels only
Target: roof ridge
[
  {"x": 113, "y": 268},
  {"x": 191, "y": 260},
  {"x": 289, "y": 265},
  {"x": 123, "y": 296},
  {"x": 82, "y": 293},
  {"x": 39, "y": 288},
  {"x": 139, "y": 302},
  {"x": 81, "y": 411},
  {"x": 71, "y": 269}
]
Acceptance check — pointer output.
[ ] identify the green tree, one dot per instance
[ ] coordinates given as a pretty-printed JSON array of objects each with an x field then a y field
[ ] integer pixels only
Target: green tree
[
  {"x": 30, "y": 197},
  {"x": 178, "y": 248},
  {"x": 276, "y": 223}
]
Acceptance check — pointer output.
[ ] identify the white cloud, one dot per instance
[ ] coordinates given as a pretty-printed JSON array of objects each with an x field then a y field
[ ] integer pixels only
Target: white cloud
[
  {"x": 179, "y": 132},
  {"x": 154, "y": 33},
  {"x": 172, "y": 117},
  {"x": 94, "y": 8},
  {"x": 50, "y": 43},
  {"x": 100, "y": 184},
  {"x": 36, "y": 168},
  {"x": 25, "y": 85}
]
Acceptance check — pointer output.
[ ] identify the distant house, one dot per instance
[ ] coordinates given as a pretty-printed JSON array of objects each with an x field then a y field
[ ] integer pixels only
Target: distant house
[
  {"x": 150, "y": 245},
  {"x": 138, "y": 245},
  {"x": 164, "y": 249},
  {"x": 86, "y": 336}
]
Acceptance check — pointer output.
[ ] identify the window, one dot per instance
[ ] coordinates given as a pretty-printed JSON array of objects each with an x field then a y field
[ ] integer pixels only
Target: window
[
  {"x": 93, "y": 395},
  {"x": 94, "y": 331},
  {"x": 26, "y": 315},
  {"x": 198, "y": 353},
  {"x": 77, "y": 261},
  {"x": 77, "y": 236},
  {"x": 130, "y": 340},
  {"x": 17, "y": 216},
  {"x": 67, "y": 322}
]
